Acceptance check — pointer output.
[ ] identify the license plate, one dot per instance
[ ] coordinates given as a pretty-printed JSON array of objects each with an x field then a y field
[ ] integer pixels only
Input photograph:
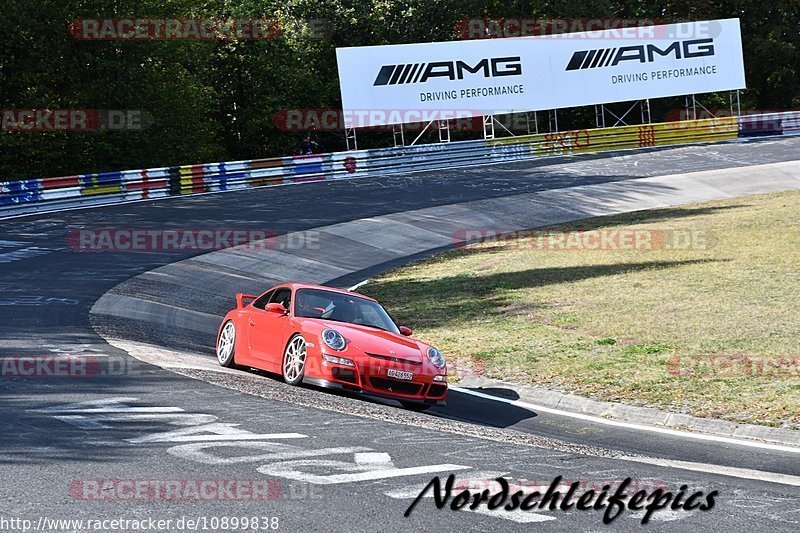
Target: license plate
[{"x": 398, "y": 374}]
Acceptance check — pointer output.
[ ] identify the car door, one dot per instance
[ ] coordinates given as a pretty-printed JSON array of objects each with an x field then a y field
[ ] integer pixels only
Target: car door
[
  {"x": 250, "y": 311},
  {"x": 268, "y": 331}
]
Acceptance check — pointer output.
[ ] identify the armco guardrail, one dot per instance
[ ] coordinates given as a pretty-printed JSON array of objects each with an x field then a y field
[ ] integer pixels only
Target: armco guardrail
[{"x": 51, "y": 194}]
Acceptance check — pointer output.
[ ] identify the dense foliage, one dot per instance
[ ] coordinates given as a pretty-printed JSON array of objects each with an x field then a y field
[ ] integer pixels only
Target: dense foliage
[{"x": 215, "y": 100}]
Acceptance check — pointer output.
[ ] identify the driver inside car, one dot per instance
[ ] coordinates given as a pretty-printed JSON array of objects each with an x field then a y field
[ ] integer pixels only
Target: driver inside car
[{"x": 345, "y": 311}]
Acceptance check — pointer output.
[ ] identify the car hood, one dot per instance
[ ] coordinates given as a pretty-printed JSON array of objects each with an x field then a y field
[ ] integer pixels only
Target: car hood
[{"x": 379, "y": 342}]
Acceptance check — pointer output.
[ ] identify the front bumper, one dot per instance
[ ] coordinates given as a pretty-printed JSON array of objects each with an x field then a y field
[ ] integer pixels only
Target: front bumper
[{"x": 372, "y": 377}]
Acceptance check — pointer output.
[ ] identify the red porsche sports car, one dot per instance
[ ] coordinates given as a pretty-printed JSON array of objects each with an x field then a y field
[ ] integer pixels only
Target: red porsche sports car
[{"x": 331, "y": 338}]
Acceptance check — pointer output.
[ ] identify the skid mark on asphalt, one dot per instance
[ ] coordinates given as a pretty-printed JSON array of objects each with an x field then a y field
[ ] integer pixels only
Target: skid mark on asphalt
[
  {"x": 20, "y": 253},
  {"x": 31, "y": 300}
]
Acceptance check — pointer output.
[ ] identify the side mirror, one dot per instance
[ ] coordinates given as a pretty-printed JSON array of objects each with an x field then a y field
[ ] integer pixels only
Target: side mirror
[
  {"x": 275, "y": 307},
  {"x": 405, "y": 331}
]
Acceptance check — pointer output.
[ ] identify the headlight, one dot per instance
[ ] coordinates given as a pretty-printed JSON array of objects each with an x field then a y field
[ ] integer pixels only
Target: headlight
[
  {"x": 436, "y": 357},
  {"x": 338, "y": 360},
  {"x": 334, "y": 339}
]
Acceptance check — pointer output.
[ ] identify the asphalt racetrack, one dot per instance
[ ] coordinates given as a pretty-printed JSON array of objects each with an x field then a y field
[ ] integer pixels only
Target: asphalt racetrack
[{"x": 333, "y": 462}]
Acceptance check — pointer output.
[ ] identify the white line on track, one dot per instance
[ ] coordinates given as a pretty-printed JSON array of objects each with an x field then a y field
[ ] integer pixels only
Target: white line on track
[
  {"x": 637, "y": 427},
  {"x": 743, "y": 473}
]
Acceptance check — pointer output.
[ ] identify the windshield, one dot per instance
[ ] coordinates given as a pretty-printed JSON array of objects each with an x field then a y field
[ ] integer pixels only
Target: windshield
[{"x": 339, "y": 307}]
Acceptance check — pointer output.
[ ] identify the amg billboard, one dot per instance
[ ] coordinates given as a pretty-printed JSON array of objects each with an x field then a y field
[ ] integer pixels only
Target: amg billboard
[{"x": 484, "y": 77}]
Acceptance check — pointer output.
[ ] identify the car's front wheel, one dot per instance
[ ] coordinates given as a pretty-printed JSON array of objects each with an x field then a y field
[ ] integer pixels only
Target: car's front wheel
[
  {"x": 294, "y": 360},
  {"x": 226, "y": 345}
]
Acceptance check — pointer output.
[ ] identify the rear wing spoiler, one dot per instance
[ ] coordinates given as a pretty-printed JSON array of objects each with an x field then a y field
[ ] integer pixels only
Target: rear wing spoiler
[{"x": 241, "y": 297}]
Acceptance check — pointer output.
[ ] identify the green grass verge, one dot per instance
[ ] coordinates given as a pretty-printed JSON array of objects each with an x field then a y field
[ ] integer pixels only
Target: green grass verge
[{"x": 711, "y": 329}]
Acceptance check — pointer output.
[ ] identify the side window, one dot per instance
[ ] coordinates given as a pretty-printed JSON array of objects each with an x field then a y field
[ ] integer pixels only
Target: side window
[
  {"x": 283, "y": 296},
  {"x": 262, "y": 301}
]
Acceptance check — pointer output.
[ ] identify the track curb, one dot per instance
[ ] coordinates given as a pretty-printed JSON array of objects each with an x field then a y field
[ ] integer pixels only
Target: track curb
[{"x": 633, "y": 414}]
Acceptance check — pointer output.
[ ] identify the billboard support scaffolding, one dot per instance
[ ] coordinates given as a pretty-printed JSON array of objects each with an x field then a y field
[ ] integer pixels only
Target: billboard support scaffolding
[
  {"x": 600, "y": 113},
  {"x": 535, "y": 122},
  {"x": 428, "y": 125},
  {"x": 645, "y": 108},
  {"x": 444, "y": 131},
  {"x": 738, "y": 103},
  {"x": 691, "y": 107},
  {"x": 397, "y": 131},
  {"x": 734, "y": 103},
  {"x": 488, "y": 127},
  {"x": 350, "y": 135},
  {"x": 694, "y": 104},
  {"x": 553, "y": 120}
]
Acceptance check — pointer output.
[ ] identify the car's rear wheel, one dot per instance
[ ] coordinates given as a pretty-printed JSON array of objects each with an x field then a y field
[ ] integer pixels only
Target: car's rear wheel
[
  {"x": 294, "y": 360},
  {"x": 414, "y": 406},
  {"x": 226, "y": 345}
]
